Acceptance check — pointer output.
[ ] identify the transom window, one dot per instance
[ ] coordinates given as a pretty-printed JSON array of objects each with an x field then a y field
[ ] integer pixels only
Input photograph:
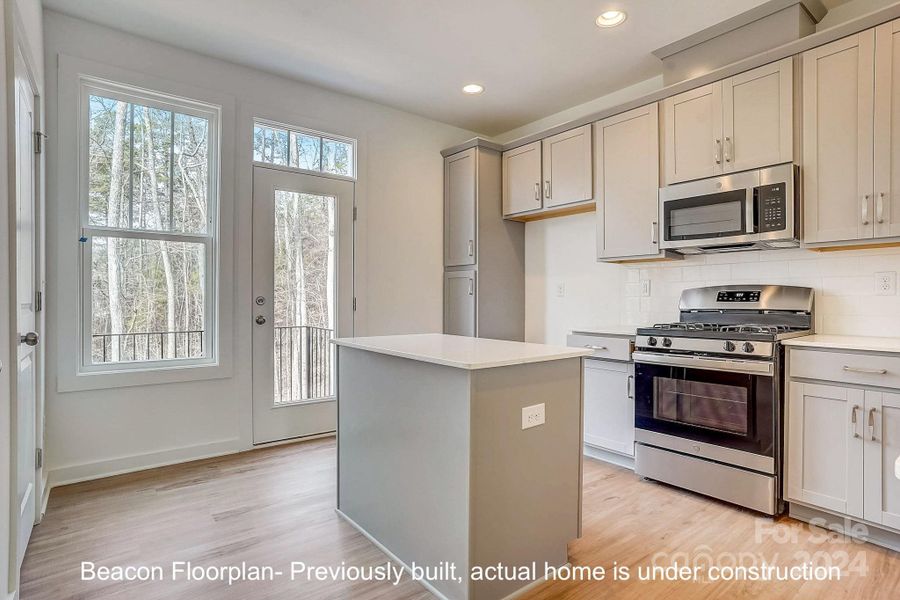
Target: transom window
[
  {"x": 303, "y": 149},
  {"x": 149, "y": 225}
]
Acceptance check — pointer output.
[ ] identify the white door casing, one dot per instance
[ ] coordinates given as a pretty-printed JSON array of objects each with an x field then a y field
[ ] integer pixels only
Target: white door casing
[{"x": 275, "y": 421}]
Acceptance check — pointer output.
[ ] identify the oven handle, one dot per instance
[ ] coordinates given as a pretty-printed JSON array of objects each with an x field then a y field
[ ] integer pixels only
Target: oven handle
[{"x": 703, "y": 362}]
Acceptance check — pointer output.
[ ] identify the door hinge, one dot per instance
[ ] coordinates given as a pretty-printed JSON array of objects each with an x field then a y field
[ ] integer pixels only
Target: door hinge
[
  {"x": 354, "y": 303},
  {"x": 38, "y": 301},
  {"x": 38, "y": 458},
  {"x": 39, "y": 142},
  {"x": 355, "y": 213}
]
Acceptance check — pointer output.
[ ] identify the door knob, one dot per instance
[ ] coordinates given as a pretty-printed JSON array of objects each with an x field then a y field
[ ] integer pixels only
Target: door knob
[
  {"x": 260, "y": 320},
  {"x": 29, "y": 339}
]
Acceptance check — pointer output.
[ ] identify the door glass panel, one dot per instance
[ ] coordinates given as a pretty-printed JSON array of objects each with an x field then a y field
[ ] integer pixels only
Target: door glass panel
[
  {"x": 304, "y": 296},
  {"x": 712, "y": 405}
]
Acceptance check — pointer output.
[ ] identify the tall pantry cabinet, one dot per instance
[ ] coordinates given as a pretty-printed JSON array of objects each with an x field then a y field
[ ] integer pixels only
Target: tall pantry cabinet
[{"x": 484, "y": 255}]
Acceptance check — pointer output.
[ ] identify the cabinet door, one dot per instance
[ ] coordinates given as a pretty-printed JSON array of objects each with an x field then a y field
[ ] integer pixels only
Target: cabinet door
[
  {"x": 626, "y": 171},
  {"x": 609, "y": 405},
  {"x": 459, "y": 208},
  {"x": 882, "y": 450},
  {"x": 522, "y": 179},
  {"x": 459, "y": 303},
  {"x": 838, "y": 82},
  {"x": 693, "y": 134},
  {"x": 758, "y": 117},
  {"x": 567, "y": 167},
  {"x": 887, "y": 130},
  {"x": 825, "y": 447}
]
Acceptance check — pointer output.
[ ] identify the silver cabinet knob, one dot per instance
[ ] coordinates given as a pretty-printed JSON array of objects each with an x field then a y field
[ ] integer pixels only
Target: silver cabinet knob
[
  {"x": 29, "y": 339},
  {"x": 260, "y": 320}
]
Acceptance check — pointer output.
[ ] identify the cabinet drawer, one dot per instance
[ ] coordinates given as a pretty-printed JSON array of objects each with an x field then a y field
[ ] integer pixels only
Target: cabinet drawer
[
  {"x": 846, "y": 367},
  {"x": 608, "y": 347}
]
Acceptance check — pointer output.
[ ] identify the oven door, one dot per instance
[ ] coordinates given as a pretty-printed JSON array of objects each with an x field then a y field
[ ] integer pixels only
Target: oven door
[
  {"x": 716, "y": 211},
  {"x": 726, "y": 403}
]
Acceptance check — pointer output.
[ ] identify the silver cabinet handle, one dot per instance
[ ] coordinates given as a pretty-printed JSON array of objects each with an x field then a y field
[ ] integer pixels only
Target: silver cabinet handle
[
  {"x": 879, "y": 208},
  {"x": 471, "y": 286},
  {"x": 537, "y": 191},
  {"x": 547, "y": 188},
  {"x": 728, "y": 144},
  {"x": 853, "y": 412},
  {"x": 872, "y": 424},
  {"x": 29, "y": 339},
  {"x": 629, "y": 387},
  {"x": 260, "y": 320},
  {"x": 717, "y": 155},
  {"x": 865, "y": 210},
  {"x": 864, "y": 370},
  {"x": 471, "y": 247},
  {"x": 592, "y": 347},
  {"x": 654, "y": 228}
]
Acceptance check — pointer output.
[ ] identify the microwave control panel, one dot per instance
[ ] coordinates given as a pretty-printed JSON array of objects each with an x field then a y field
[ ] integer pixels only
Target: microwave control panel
[{"x": 772, "y": 207}]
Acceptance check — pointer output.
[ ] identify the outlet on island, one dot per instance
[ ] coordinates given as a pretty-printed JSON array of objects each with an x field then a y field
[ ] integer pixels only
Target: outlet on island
[{"x": 532, "y": 416}]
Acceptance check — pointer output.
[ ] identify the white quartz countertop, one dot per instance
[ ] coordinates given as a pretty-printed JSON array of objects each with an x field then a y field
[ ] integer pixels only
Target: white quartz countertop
[
  {"x": 621, "y": 330},
  {"x": 461, "y": 352},
  {"x": 846, "y": 342}
]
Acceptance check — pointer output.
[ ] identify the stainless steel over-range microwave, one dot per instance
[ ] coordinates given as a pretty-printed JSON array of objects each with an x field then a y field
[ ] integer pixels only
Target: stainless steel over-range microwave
[{"x": 740, "y": 211}]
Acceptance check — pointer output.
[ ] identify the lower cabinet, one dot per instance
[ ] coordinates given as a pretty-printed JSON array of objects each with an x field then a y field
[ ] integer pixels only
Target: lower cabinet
[
  {"x": 459, "y": 303},
  {"x": 843, "y": 443},
  {"x": 609, "y": 405}
]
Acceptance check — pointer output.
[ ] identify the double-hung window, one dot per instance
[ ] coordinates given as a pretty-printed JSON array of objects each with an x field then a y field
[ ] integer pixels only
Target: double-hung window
[{"x": 148, "y": 181}]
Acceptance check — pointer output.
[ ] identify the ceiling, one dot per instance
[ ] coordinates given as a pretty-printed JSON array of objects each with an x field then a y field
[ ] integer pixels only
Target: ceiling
[{"x": 534, "y": 57}]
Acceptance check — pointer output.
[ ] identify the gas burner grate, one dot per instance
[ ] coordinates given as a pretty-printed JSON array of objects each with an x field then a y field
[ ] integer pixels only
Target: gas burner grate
[
  {"x": 682, "y": 326},
  {"x": 754, "y": 328}
]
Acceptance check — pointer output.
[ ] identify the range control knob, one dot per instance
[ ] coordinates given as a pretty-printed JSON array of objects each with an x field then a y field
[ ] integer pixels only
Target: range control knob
[
  {"x": 728, "y": 346},
  {"x": 747, "y": 347},
  {"x": 667, "y": 342},
  {"x": 651, "y": 340}
]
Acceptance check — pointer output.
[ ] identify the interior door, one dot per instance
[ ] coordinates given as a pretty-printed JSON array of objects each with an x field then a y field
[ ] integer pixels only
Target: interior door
[
  {"x": 302, "y": 298},
  {"x": 693, "y": 134},
  {"x": 567, "y": 167},
  {"x": 522, "y": 179},
  {"x": 758, "y": 117},
  {"x": 459, "y": 208},
  {"x": 26, "y": 286},
  {"x": 838, "y": 89},
  {"x": 627, "y": 175}
]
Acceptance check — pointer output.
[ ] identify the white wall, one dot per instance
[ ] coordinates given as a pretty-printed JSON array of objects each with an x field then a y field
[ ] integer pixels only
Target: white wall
[{"x": 399, "y": 252}]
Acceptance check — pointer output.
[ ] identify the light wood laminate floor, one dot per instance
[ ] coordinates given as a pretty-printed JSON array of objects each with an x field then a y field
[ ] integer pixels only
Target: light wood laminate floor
[{"x": 276, "y": 505}]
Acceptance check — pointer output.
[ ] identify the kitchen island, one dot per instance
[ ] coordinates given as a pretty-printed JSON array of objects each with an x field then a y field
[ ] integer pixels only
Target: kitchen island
[{"x": 439, "y": 464}]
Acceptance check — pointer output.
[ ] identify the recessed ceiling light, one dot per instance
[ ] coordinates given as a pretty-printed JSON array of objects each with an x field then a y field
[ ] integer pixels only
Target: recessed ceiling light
[
  {"x": 473, "y": 88},
  {"x": 611, "y": 18}
]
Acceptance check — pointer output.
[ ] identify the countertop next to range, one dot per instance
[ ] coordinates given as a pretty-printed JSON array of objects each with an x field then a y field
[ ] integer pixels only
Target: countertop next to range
[
  {"x": 460, "y": 351},
  {"x": 846, "y": 342}
]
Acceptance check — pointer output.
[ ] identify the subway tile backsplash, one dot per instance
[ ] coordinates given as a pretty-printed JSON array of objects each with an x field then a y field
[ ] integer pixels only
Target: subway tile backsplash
[{"x": 846, "y": 302}]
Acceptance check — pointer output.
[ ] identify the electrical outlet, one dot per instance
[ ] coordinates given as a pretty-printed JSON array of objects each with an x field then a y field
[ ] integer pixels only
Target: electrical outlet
[
  {"x": 645, "y": 288},
  {"x": 561, "y": 289},
  {"x": 886, "y": 283},
  {"x": 532, "y": 416}
]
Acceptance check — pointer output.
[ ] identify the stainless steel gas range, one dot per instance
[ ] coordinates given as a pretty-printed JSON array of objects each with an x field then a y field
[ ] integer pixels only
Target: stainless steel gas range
[{"x": 709, "y": 392}]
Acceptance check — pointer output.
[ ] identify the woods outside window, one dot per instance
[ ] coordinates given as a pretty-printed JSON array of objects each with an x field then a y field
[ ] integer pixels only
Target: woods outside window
[{"x": 149, "y": 226}]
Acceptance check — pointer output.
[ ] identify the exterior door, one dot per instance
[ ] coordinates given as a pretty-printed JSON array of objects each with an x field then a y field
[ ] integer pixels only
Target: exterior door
[
  {"x": 459, "y": 303},
  {"x": 758, "y": 117},
  {"x": 693, "y": 134},
  {"x": 26, "y": 321},
  {"x": 459, "y": 208},
  {"x": 825, "y": 460},
  {"x": 838, "y": 90},
  {"x": 627, "y": 179},
  {"x": 522, "y": 179},
  {"x": 302, "y": 298},
  {"x": 882, "y": 449},
  {"x": 567, "y": 167}
]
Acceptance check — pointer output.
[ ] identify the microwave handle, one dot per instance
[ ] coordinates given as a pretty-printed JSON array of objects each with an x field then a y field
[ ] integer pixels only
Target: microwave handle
[{"x": 752, "y": 203}]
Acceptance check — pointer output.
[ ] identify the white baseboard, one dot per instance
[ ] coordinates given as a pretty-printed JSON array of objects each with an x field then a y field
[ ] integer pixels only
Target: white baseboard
[
  {"x": 615, "y": 458},
  {"x": 139, "y": 462}
]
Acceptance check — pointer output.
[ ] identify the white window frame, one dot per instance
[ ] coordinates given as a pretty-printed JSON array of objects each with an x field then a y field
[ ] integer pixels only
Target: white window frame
[
  {"x": 89, "y": 86},
  {"x": 322, "y": 135}
]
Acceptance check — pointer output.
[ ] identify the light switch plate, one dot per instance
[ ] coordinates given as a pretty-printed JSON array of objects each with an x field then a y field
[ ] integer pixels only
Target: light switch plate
[
  {"x": 532, "y": 416},
  {"x": 645, "y": 288},
  {"x": 886, "y": 283},
  {"x": 561, "y": 289}
]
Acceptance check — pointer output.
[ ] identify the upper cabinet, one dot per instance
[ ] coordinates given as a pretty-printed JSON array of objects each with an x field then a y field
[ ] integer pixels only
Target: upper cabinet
[
  {"x": 886, "y": 207},
  {"x": 522, "y": 179},
  {"x": 743, "y": 122},
  {"x": 626, "y": 175},
  {"x": 459, "y": 209},
  {"x": 567, "y": 167}
]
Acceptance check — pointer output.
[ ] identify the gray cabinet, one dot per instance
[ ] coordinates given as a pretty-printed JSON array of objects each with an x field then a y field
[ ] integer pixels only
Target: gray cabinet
[
  {"x": 484, "y": 255},
  {"x": 567, "y": 167},
  {"x": 459, "y": 302},
  {"x": 522, "y": 191}
]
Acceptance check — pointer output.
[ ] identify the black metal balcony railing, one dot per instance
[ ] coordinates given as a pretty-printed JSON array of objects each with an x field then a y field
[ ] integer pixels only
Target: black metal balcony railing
[
  {"x": 303, "y": 363},
  {"x": 146, "y": 345}
]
